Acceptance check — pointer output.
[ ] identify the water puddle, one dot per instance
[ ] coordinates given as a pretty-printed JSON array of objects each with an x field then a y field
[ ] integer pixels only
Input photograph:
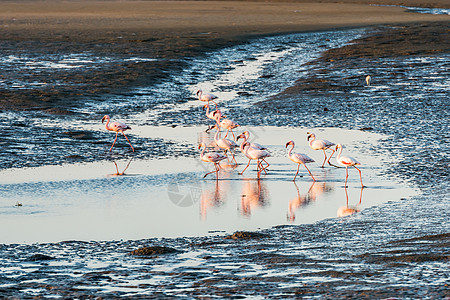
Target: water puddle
[{"x": 169, "y": 198}]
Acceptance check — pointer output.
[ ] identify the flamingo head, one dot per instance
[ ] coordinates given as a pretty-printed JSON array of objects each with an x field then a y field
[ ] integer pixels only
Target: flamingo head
[
  {"x": 105, "y": 117},
  {"x": 310, "y": 135},
  {"x": 242, "y": 135},
  {"x": 198, "y": 92},
  {"x": 339, "y": 146},
  {"x": 201, "y": 145},
  {"x": 290, "y": 143},
  {"x": 205, "y": 106},
  {"x": 211, "y": 128},
  {"x": 217, "y": 114},
  {"x": 246, "y": 144}
]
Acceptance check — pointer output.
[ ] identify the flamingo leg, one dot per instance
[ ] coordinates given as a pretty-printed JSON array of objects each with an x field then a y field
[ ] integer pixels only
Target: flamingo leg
[
  {"x": 298, "y": 169},
  {"x": 226, "y": 133},
  {"x": 330, "y": 156},
  {"x": 324, "y": 153},
  {"x": 114, "y": 141},
  {"x": 234, "y": 138},
  {"x": 215, "y": 171},
  {"x": 245, "y": 167},
  {"x": 117, "y": 169},
  {"x": 266, "y": 163},
  {"x": 261, "y": 168},
  {"x": 310, "y": 172},
  {"x": 128, "y": 140},
  {"x": 346, "y": 176},
  {"x": 127, "y": 166},
  {"x": 360, "y": 176}
]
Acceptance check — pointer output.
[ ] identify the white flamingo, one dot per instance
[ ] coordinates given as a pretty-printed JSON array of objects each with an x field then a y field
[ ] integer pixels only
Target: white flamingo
[
  {"x": 227, "y": 124},
  {"x": 213, "y": 157},
  {"x": 225, "y": 144},
  {"x": 347, "y": 161},
  {"x": 254, "y": 154},
  {"x": 299, "y": 158},
  {"x": 320, "y": 145},
  {"x": 117, "y": 127},
  {"x": 245, "y": 135},
  {"x": 206, "y": 97}
]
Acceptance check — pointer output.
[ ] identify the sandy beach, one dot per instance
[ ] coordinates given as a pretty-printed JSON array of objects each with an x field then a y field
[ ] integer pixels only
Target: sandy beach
[{"x": 76, "y": 227}]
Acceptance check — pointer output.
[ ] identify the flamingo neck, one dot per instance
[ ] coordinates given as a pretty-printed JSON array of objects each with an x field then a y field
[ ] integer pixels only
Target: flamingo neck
[
  {"x": 339, "y": 153},
  {"x": 203, "y": 151},
  {"x": 199, "y": 94},
  {"x": 313, "y": 137},
  {"x": 207, "y": 110},
  {"x": 107, "y": 124},
  {"x": 216, "y": 136},
  {"x": 290, "y": 150}
]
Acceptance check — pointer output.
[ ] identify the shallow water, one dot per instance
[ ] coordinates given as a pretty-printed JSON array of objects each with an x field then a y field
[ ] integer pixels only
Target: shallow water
[{"x": 64, "y": 175}]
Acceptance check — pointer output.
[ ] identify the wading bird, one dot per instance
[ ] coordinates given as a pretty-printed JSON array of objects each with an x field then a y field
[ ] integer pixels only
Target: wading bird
[
  {"x": 347, "y": 161},
  {"x": 299, "y": 158},
  {"x": 320, "y": 145},
  {"x": 225, "y": 144},
  {"x": 227, "y": 124},
  {"x": 211, "y": 115},
  {"x": 254, "y": 154},
  {"x": 117, "y": 127},
  {"x": 213, "y": 157},
  {"x": 206, "y": 97},
  {"x": 245, "y": 135}
]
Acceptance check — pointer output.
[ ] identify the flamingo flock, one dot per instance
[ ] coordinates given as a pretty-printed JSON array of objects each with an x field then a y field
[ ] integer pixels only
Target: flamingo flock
[
  {"x": 259, "y": 153},
  {"x": 252, "y": 151}
]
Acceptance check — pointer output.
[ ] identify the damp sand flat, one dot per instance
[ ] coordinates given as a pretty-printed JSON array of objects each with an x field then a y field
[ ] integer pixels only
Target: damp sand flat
[{"x": 170, "y": 198}]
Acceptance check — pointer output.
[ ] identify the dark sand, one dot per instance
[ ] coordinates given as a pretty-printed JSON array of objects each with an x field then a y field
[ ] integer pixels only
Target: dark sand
[{"x": 169, "y": 29}]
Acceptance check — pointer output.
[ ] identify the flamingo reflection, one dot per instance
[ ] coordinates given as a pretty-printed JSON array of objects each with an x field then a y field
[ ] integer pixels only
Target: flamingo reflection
[
  {"x": 303, "y": 200},
  {"x": 254, "y": 194},
  {"x": 346, "y": 210},
  {"x": 118, "y": 173},
  {"x": 211, "y": 198}
]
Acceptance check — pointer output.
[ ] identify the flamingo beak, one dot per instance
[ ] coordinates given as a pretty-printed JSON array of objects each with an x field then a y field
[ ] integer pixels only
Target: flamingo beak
[{"x": 103, "y": 119}]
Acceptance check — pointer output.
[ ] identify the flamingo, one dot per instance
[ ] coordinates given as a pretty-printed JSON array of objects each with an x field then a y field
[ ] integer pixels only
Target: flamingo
[
  {"x": 206, "y": 97},
  {"x": 368, "y": 80},
  {"x": 347, "y": 161},
  {"x": 227, "y": 124},
  {"x": 245, "y": 135},
  {"x": 223, "y": 143},
  {"x": 213, "y": 157},
  {"x": 299, "y": 158},
  {"x": 320, "y": 145},
  {"x": 117, "y": 127},
  {"x": 211, "y": 115},
  {"x": 254, "y": 154}
]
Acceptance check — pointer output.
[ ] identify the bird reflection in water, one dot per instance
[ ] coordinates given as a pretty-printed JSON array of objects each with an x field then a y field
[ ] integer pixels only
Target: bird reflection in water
[
  {"x": 346, "y": 210},
  {"x": 211, "y": 197},
  {"x": 118, "y": 173},
  {"x": 254, "y": 194},
  {"x": 303, "y": 200}
]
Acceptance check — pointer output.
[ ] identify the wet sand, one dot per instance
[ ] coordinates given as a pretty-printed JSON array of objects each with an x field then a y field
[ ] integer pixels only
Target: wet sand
[
  {"x": 377, "y": 254},
  {"x": 165, "y": 30}
]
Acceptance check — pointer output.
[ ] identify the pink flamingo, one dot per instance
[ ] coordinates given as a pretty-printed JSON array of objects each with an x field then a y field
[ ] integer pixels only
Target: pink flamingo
[
  {"x": 347, "y": 161},
  {"x": 254, "y": 154},
  {"x": 117, "y": 127},
  {"x": 225, "y": 144},
  {"x": 299, "y": 158},
  {"x": 321, "y": 145},
  {"x": 227, "y": 124},
  {"x": 213, "y": 157},
  {"x": 211, "y": 115},
  {"x": 206, "y": 97},
  {"x": 245, "y": 135}
]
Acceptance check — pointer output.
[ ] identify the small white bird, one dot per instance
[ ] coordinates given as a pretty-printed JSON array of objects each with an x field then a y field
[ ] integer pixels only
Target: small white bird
[
  {"x": 347, "y": 161},
  {"x": 299, "y": 158},
  {"x": 368, "y": 79},
  {"x": 213, "y": 157},
  {"x": 320, "y": 145},
  {"x": 117, "y": 127},
  {"x": 206, "y": 97}
]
